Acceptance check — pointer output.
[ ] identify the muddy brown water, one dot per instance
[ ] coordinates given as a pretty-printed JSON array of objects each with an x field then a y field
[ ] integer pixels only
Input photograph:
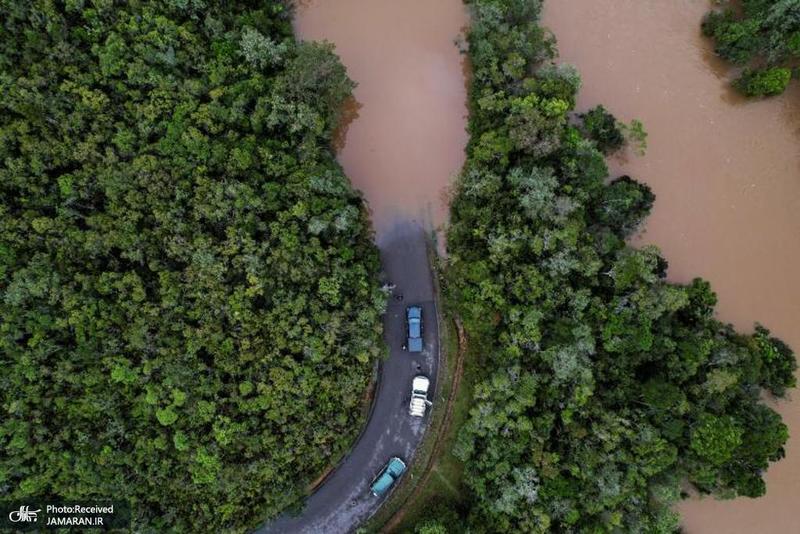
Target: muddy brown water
[
  {"x": 726, "y": 174},
  {"x": 405, "y": 139}
]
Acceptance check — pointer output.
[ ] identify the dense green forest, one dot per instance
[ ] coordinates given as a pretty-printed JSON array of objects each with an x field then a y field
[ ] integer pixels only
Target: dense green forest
[
  {"x": 604, "y": 388},
  {"x": 760, "y": 36},
  {"x": 189, "y": 312}
]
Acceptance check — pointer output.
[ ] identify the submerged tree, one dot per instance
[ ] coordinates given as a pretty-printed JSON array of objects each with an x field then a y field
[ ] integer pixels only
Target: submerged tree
[
  {"x": 602, "y": 127},
  {"x": 761, "y": 35}
]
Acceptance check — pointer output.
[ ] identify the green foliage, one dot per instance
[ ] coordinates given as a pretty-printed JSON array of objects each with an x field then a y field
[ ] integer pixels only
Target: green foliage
[
  {"x": 606, "y": 387},
  {"x": 765, "y": 82},
  {"x": 601, "y": 127},
  {"x": 623, "y": 205},
  {"x": 763, "y": 36},
  {"x": 716, "y": 438},
  {"x": 431, "y": 527},
  {"x": 189, "y": 311},
  {"x": 636, "y": 135},
  {"x": 439, "y": 517},
  {"x": 735, "y": 40}
]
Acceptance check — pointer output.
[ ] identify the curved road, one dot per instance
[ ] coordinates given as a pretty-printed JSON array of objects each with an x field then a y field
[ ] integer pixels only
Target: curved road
[{"x": 344, "y": 500}]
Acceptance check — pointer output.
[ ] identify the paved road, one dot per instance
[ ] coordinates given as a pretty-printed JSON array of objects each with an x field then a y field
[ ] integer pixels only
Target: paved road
[{"x": 344, "y": 500}]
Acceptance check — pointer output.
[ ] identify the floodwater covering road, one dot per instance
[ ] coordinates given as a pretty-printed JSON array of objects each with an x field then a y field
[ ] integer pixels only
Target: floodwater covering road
[
  {"x": 407, "y": 139},
  {"x": 726, "y": 174},
  {"x": 402, "y": 147}
]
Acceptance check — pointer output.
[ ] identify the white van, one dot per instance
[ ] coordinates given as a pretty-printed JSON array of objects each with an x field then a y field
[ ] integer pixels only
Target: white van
[{"x": 419, "y": 396}]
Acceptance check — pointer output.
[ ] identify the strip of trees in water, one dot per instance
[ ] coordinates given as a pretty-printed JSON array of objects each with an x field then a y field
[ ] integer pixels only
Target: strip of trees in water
[
  {"x": 762, "y": 37},
  {"x": 605, "y": 388},
  {"x": 189, "y": 307}
]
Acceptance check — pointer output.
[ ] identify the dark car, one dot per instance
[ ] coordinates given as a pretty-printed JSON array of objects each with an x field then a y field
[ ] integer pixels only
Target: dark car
[{"x": 414, "y": 321}]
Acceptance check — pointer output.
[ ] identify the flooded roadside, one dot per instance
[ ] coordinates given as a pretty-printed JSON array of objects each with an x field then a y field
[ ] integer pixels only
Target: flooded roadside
[
  {"x": 726, "y": 174},
  {"x": 406, "y": 141}
]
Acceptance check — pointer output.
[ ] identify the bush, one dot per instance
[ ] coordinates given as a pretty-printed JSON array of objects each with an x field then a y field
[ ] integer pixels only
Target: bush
[
  {"x": 766, "y": 82},
  {"x": 601, "y": 127},
  {"x": 764, "y": 36}
]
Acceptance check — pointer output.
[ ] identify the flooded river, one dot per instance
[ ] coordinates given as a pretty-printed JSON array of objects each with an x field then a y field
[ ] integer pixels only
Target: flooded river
[
  {"x": 726, "y": 174},
  {"x": 406, "y": 140}
]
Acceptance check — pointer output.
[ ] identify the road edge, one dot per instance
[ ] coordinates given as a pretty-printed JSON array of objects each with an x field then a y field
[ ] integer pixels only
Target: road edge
[{"x": 443, "y": 426}]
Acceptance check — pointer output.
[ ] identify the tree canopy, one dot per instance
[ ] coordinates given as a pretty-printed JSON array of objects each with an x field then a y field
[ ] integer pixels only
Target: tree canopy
[
  {"x": 605, "y": 388},
  {"x": 762, "y": 36},
  {"x": 189, "y": 307}
]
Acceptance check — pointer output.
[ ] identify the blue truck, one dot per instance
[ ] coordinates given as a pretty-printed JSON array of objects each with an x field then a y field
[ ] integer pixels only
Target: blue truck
[{"x": 414, "y": 323}]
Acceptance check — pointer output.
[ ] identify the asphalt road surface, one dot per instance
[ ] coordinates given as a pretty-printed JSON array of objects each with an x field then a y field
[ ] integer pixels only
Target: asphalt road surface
[{"x": 344, "y": 500}]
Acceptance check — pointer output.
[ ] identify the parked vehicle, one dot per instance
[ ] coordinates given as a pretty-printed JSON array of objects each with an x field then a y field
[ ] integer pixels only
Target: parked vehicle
[
  {"x": 414, "y": 323},
  {"x": 419, "y": 396},
  {"x": 388, "y": 476}
]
